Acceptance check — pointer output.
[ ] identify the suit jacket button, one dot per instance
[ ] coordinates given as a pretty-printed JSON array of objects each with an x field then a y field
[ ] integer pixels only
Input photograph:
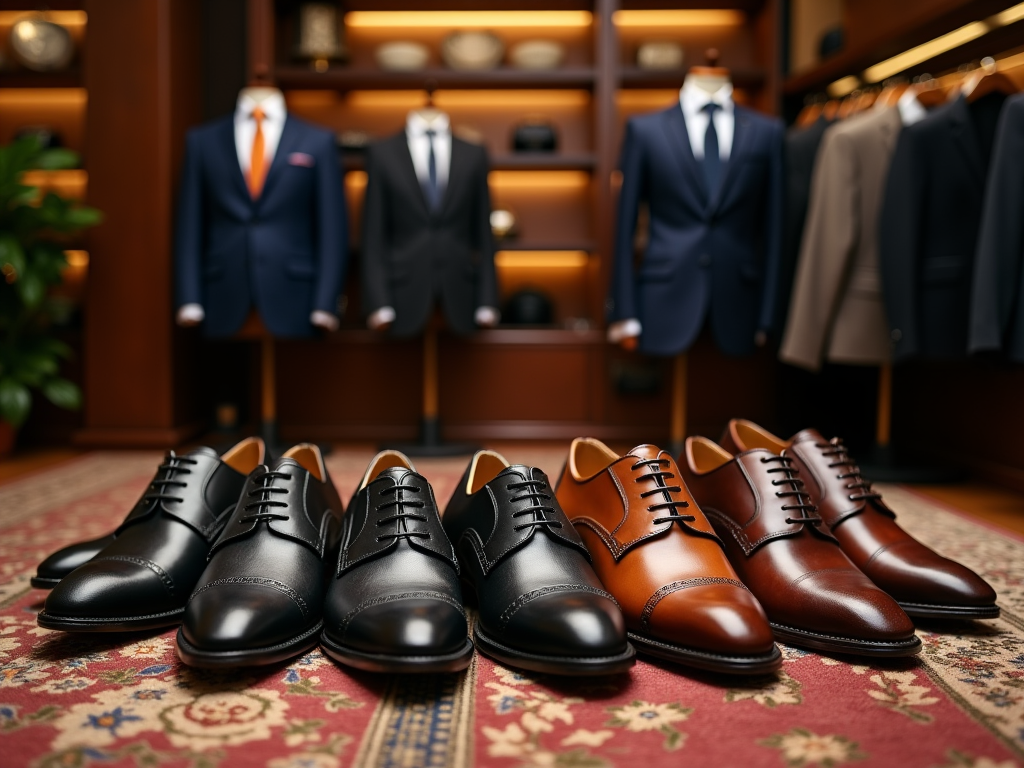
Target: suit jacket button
[
  {"x": 705, "y": 260},
  {"x": 896, "y": 334}
]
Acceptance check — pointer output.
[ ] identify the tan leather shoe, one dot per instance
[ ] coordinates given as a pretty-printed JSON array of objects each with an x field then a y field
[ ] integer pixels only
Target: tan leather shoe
[
  {"x": 813, "y": 595},
  {"x": 657, "y": 554},
  {"x": 924, "y": 583}
]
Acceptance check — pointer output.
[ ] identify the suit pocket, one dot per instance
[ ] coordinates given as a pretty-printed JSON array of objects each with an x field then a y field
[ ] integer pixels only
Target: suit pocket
[
  {"x": 944, "y": 269},
  {"x": 299, "y": 271}
]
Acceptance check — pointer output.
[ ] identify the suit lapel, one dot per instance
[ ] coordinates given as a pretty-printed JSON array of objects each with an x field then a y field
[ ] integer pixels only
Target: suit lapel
[
  {"x": 289, "y": 136},
  {"x": 457, "y": 170},
  {"x": 966, "y": 138},
  {"x": 740, "y": 137},
  {"x": 229, "y": 155},
  {"x": 408, "y": 171},
  {"x": 679, "y": 139}
]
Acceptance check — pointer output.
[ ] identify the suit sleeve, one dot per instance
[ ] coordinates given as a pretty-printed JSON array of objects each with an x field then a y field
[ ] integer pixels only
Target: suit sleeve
[
  {"x": 332, "y": 228},
  {"x": 828, "y": 242},
  {"x": 997, "y": 265},
  {"x": 899, "y": 244},
  {"x": 773, "y": 230},
  {"x": 487, "y": 279},
  {"x": 622, "y": 291},
  {"x": 188, "y": 234},
  {"x": 376, "y": 291}
]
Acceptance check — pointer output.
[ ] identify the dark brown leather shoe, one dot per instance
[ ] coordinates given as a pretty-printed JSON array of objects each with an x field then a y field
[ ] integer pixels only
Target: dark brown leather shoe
[
  {"x": 813, "y": 595},
  {"x": 924, "y": 583},
  {"x": 657, "y": 554}
]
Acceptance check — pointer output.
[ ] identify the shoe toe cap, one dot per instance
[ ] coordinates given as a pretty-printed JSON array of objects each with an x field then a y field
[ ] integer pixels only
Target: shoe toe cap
[
  {"x": 567, "y": 624},
  {"x": 112, "y": 590},
  {"x": 240, "y": 617},
  {"x": 722, "y": 619},
  {"x": 927, "y": 577},
  {"x": 854, "y": 608},
  {"x": 419, "y": 626}
]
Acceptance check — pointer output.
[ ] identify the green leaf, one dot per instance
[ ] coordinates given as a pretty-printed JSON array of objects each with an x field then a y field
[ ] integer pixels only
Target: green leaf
[
  {"x": 56, "y": 159},
  {"x": 63, "y": 394},
  {"x": 79, "y": 218},
  {"x": 31, "y": 288},
  {"x": 12, "y": 253},
  {"x": 39, "y": 362},
  {"x": 15, "y": 402}
]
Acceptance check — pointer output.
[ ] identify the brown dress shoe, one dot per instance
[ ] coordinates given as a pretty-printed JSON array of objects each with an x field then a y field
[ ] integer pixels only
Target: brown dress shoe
[
  {"x": 813, "y": 595},
  {"x": 657, "y": 554},
  {"x": 923, "y": 582}
]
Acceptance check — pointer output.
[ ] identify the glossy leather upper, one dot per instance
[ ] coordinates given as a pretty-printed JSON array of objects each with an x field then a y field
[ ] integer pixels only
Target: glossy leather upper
[
  {"x": 160, "y": 550},
  {"x": 864, "y": 525},
  {"x": 536, "y": 590},
  {"x": 265, "y": 581},
  {"x": 396, "y": 587},
  {"x": 782, "y": 551},
  {"x": 657, "y": 553},
  {"x": 65, "y": 560}
]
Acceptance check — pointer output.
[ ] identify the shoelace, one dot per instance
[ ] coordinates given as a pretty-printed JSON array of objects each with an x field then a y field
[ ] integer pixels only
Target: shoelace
[
  {"x": 835, "y": 448},
  {"x": 401, "y": 515},
  {"x": 534, "y": 492},
  {"x": 171, "y": 466},
  {"x": 659, "y": 476},
  {"x": 265, "y": 493},
  {"x": 795, "y": 485}
]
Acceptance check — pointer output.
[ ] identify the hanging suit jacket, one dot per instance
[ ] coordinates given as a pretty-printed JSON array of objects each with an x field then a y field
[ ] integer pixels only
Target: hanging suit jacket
[
  {"x": 411, "y": 257},
  {"x": 799, "y": 153},
  {"x": 716, "y": 255},
  {"x": 837, "y": 309},
  {"x": 997, "y": 313},
  {"x": 283, "y": 253},
  {"x": 928, "y": 230}
]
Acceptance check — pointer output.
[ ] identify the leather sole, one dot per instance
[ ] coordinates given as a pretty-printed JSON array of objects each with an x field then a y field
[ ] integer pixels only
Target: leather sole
[
  {"x": 925, "y": 611},
  {"x": 710, "y": 662},
  {"x": 248, "y": 657},
  {"x": 573, "y": 666},
  {"x": 817, "y": 641},
  {"x": 383, "y": 662},
  {"x": 41, "y": 582},
  {"x": 121, "y": 624}
]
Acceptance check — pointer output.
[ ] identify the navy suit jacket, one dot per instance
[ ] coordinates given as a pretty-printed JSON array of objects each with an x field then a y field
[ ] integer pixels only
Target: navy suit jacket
[
  {"x": 707, "y": 253},
  {"x": 283, "y": 253}
]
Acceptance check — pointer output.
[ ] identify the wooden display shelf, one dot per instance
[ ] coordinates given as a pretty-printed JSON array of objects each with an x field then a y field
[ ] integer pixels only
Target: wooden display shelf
[
  {"x": 635, "y": 77},
  {"x": 71, "y": 78},
  {"x": 589, "y": 246},
  {"x": 342, "y": 79},
  {"x": 525, "y": 161}
]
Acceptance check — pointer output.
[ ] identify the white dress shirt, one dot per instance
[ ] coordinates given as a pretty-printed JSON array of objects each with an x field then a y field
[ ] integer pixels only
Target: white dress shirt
[
  {"x": 416, "y": 128},
  {"x": 911, "y": 110},
  {"x": 274, "y": 115},
  {"x": 692, "y": 100}
]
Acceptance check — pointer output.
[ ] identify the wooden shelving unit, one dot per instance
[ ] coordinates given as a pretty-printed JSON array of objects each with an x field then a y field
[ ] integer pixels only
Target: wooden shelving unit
[{"x": 561, "y": 380}]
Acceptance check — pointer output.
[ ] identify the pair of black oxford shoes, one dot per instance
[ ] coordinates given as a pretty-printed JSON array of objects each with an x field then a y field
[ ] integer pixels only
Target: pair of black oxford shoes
[{"x": 258, "y": 563}]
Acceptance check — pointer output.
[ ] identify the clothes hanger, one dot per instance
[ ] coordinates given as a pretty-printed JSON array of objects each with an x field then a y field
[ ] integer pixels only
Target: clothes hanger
[
  {"x": 987, "y": 79},
  {"x": 813, "y": 108},
  {"x": 891, "y": 93},
  {"x": 848, "y": 106},
  {"x": 710, "y": 77},
  {"x": 930, "y": 92}
]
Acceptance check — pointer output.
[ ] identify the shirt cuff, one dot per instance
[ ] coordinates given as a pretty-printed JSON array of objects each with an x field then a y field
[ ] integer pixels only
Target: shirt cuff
[
  {"x": 487, "y": 316},
  {"x": 624, "y": 329},
  {"x": 324, "y": 320},
  {"x": 380, "y": 318},
  {"x": 191, "y": 314}
]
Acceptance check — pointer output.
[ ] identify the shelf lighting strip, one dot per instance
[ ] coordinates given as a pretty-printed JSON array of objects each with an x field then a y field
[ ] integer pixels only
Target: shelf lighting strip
[
  {"x": 540, "y": 259},
  {"x": 695, "y": 17},
  {"x": 466, "y": 19},
  {"x": 926, "y": 51}
]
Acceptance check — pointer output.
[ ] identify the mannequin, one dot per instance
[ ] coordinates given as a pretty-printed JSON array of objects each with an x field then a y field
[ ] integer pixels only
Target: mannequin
[{"x": 711, "y": 173}]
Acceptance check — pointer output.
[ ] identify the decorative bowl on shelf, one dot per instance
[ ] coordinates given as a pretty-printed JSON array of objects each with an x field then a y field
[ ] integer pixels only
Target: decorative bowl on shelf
[
  {"x": 534, "y": 135},
  {"x": 503, "y": 224},
  {"x": 537, "y": 54},
  {"x": 402, "y": 56},
  {"x": 660, "y": 54},
  {"x": 320, "y": 39},
  {"x": 472, "y": 51},
  {"x": 41, "y": 45}
]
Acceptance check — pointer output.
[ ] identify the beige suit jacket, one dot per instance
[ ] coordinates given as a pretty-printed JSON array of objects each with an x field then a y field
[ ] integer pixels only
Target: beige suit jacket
[{"x": 837, "y": 311}]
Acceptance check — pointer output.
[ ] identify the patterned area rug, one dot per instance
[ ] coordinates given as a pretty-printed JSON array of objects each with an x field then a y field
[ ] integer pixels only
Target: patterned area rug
[{"x": 125, "y": 700}]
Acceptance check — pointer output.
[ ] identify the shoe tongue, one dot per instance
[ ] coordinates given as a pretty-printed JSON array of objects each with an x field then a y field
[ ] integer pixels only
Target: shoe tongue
[
  {"x": 286, "y": 462},
  {"x": 518, "y": 469},
  {"x": 394, "y": 473},
  {"x": 646, "y": 451},
  {"x": 808, "y": 435},
  {"x": 203, "y": 450}
]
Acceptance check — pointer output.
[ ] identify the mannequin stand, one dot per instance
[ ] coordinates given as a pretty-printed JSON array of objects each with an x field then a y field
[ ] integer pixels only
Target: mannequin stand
[
  {"x": 883, "y": 465},
  {"x": 679, "y": 386},
  {"x": 429, "y": 442}
]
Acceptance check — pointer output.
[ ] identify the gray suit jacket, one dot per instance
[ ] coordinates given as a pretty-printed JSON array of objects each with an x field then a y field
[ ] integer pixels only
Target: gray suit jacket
[{"x": 837, "y": 311}]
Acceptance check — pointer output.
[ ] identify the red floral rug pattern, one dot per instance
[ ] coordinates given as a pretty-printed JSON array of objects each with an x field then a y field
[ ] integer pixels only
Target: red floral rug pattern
[{"x": 126, "y": 700}]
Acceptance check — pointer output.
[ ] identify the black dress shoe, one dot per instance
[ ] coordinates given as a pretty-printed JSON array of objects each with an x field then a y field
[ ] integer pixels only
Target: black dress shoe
[
  {"x": 541, "y": 606},
  {"x": 260, "y": 599},
  {"x": 143, "y": 578},
  {"x": 395, "y": 604},
  {"x": 64, "y": 561}
]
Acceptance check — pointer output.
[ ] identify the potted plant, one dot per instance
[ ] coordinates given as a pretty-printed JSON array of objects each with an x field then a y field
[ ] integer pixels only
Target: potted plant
[{"x": 34, "y": 228}]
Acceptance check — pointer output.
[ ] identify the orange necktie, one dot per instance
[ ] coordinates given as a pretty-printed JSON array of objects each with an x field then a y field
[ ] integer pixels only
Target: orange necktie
[{"x": 257, "y": 161}]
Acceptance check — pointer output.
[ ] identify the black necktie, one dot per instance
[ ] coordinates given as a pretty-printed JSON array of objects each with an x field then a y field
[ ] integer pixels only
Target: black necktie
[
  {"x": 712, "y": 162},
  {"x": 433, "y": 192}
]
